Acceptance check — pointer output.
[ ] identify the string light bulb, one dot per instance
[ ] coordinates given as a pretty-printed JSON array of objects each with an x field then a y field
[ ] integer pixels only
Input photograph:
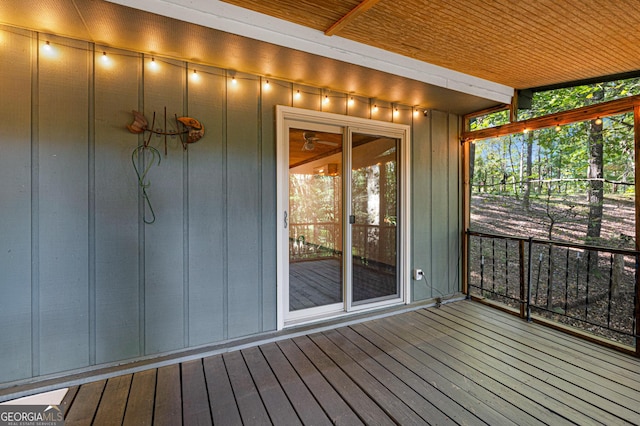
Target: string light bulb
[
  {"x": 598, "y": 121},
  {"x": 525, "y": 131},
  {"x": 558, "y": 128}
]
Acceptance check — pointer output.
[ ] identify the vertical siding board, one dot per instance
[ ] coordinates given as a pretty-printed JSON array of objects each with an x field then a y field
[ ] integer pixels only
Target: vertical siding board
[
  {"x": 310, "y": 98},
  {"x": 281, "y": 96},
  {"x": 63, "y": 222},
  {"x": 206, "y": 210},
  {"x": 384, "y": 111},
  {"x": 359, "y": 107},
  {"x": 243, "y": 209},
  {"x": 421, "y": 204},
  {"x": 336, "y": 103},
  {"x": 454, "y": 245},
  {"x": 15, "y": 207},
  {"x": 116, "y": 209},
  {"x": 164, "y": 321},
  {"x": 440, "y": 203}
]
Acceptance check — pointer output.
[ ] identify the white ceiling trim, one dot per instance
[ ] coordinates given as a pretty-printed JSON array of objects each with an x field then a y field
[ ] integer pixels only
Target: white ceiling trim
[{"x": 236, "y": 20}]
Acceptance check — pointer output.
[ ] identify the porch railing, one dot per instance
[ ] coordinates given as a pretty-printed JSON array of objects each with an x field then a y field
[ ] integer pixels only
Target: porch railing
[
  {"x": 590, "y": 290},
  {"x": 371, "y": 244}
]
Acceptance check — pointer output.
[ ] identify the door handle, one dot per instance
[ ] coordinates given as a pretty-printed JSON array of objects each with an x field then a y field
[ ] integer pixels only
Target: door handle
[
  {"x": 352, "y": 219},
  {"x": 285, "y": 219}
]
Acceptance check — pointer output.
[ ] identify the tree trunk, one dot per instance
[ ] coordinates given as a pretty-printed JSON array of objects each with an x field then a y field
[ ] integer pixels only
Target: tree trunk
[
  {"x": 595, "y": 173},
  {"x": 527, "y": 183},
  {"x": 472, "y": 163}
]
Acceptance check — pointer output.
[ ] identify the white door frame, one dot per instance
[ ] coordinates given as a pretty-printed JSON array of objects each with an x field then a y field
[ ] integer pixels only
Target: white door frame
[{"x": 318, "y": 120}]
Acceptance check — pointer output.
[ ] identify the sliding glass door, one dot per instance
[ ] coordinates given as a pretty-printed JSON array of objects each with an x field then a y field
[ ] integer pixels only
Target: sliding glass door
[
  {"x": 343, "y": 216},
  {"x": 374, "y": 218}
]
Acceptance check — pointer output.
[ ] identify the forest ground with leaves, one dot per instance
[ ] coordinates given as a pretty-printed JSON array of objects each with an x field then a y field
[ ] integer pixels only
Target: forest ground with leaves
[{"x": 563, "y": 294}]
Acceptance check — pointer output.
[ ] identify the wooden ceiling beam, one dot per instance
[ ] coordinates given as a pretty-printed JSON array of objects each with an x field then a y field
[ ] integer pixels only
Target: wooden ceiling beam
[
  {"x": 590, "y": 112},
  {"x": 355, "y": 12}
]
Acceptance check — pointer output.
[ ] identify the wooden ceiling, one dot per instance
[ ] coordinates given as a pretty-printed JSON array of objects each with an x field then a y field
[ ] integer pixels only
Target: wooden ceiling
[{"x": 518, "y": 43}]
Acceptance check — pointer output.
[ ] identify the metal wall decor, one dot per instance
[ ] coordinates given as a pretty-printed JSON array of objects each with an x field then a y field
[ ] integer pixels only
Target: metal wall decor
[{"x": 144, "y": 156}]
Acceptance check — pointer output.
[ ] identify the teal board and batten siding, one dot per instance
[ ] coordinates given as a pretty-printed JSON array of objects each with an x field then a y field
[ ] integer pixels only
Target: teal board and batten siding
[
  {"x": 84, "y": 281},
  {"x": 436, "y": 205}
]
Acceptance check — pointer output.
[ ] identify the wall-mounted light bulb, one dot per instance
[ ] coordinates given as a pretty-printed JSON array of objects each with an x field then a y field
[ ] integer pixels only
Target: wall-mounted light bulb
[
  {"x": 415, "y": 112},
  {"x": 326, "y": 99},
  {"x": 351, "y": 101},
  {"x": 375, "y": 108},
  {"x": 105, "y": 58},
  {"x": 233, "y": 80},
  {"x": 297, "y": 95},
  {"x": 195, "y": 76},
  {"x": 267, "y": 85},
  {"x": 153, "y": 64},
  {"x": 396, "y": 112},
  {"x": 598, "y": 121},
  {"x": 47, "y": 46}
]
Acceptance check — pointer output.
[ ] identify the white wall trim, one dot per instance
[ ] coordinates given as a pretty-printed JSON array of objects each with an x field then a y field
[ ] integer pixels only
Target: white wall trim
[{"x": 236, "y": 20}]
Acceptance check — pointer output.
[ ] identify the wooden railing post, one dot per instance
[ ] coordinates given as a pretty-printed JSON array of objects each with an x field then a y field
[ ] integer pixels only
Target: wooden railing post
[
  {"x": 522, "y": 280},
  {"x": 530, "y": 271}
]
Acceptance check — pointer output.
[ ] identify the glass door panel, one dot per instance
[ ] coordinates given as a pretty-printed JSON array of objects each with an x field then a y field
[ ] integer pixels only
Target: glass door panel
[
  {"x": 374, "y": 216},
  {"x": 315, "y": 220}
]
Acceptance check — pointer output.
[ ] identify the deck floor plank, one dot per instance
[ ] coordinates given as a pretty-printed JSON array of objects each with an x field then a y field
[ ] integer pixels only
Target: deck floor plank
[
  {"x": 528, "y": 391},
  {"x": 600, "y": 359},
  {"x": 280, "y": 410},
  {"x": 455, "y": 387},
  {"x": 449, "y": 407},
  {"x": 332, "y": 403},
  {"x": 570, "y": 378},
  {"x": 195, "y": 401},
  {"x": 252, "y": 409},
  {"x": 85, "y": 404},
  {"x": 413, "y": 400},
  {"x": 463, "y": 363},
  {"x": 224, "y": 408},
  {"x": 602, "y": 400},
  {"x": 139, "y": 410},
  {"x": 301, "y": 398},
  {"x": 68, "y": 399},
  {"x": 367, "y": 409},
  {"x": 168, "y": 406},
  {"x": 114, "y": 401},
  {"x": 400, "y": 412}
]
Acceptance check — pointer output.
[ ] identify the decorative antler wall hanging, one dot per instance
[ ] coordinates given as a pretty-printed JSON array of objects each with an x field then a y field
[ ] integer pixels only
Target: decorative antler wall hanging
[{"x": 191, "y": 130}]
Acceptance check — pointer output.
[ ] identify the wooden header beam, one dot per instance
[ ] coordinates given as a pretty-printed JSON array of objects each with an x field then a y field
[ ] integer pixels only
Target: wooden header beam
[
  {"x": 590, "y": 112},
  {"x": 342, "y": 22}
]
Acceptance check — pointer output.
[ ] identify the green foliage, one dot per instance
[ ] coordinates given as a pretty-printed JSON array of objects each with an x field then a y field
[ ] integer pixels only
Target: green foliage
[{"x": 558, "y": 158}]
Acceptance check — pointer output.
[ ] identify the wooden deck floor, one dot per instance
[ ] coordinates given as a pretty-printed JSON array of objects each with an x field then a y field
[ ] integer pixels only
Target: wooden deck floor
[{"x": 462, "y": 363}]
